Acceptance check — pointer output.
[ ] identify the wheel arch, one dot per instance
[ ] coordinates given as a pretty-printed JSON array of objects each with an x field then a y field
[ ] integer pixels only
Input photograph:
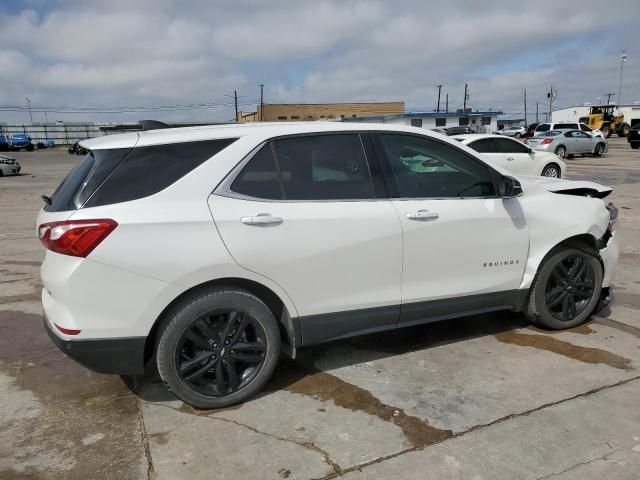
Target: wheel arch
[
  {"x": 289, "y": 328},
  {"x": 552, "y": 164}
]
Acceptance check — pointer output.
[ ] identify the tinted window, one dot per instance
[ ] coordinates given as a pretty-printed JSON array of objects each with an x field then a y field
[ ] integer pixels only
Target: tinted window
[
  {"x": 485, "y": 145},
  {"x": 584, "y": 128},
  {"x": 425, "y": 168},
  {"x": 543, "y": 127},
  {"x": 323, "y": 167},
  {"x": 416, "y": 122},
  {"x": 441, "y": 121},
  {"x": 551, "y": 133},
  {"x": 259, "y": 178},
  {"x": 510, "y": 146},
  {"x": 561, "y": 126},
  {"x": 84, "y": 179},
  {"x": 148, "y": 170},
  {"x": 463, "y": 121}
]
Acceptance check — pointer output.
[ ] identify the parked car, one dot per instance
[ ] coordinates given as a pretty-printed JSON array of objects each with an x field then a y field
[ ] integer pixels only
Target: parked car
[
  {"x": 46, "y": 143},
  {"x": 567, "y": 143},
  {"x": 249, "y": 241},
  {"x": 4, "y": 142},
  {"x": 9, "y": 166},
  {"x": 514, "y": 156},
  {"x": 76, "y": 149},
  {"x": 634, "y": 136},
  {"x": 459, "y": 130},
  {"x": 516, "y": 132},
  {"x": 19, "y": 141},
  {"x": 545, "y": 127}
]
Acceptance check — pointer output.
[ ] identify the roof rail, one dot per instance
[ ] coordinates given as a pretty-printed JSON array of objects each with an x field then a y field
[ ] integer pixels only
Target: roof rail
[{"x": 152, "y": 125}]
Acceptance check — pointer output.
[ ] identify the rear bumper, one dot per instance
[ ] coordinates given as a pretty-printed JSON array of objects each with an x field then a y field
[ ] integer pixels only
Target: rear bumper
[{"x": 122, "y": 356}]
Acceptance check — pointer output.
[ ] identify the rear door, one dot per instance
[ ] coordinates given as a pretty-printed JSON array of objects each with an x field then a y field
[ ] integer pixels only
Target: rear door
[{"x": 303, "y": 211}]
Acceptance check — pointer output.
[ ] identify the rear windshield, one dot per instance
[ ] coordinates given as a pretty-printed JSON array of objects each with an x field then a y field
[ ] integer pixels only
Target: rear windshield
[
  {"x": 111, "y": 176},
  {"x": 552, "y": 133}
]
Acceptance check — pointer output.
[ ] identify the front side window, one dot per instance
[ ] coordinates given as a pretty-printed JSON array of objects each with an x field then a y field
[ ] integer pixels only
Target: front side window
[
  {"x": 323, "y": 167},
  {"x": 543, "y": 127},
  {"x": 425, "y": 168},
  {"x": 584, "y": 128},
  {"x": 510, "y": 146}
]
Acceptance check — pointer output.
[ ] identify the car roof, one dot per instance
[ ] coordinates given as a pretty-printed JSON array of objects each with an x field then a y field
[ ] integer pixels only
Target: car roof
[
  {"x": 213, "y": 132},
  {"x": 469, "y": 137}
]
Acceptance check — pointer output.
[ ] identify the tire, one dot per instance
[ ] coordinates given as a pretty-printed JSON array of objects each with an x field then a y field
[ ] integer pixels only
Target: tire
[
  {"x": 552, "y": 170},
  {"x": 561, "y": 151},
  {"x": 199, "y": 328},
  {"x": 606, "y": 131},
  {"x": 624, "y": 129},
  {"x": 518, "y": 134},
  {"x": 29, "y": 148},
  {"x": 597, "y": 152},
  {"x": 548, "y": 288},
  {"x": 635, "y": 145}
]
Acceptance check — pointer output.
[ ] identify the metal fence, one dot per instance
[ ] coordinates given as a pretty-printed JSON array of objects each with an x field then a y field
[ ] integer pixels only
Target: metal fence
[{"x": 65, "y": 133}]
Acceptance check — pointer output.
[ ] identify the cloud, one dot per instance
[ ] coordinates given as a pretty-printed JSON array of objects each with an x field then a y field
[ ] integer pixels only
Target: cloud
[{"x": 122, "y": 53}]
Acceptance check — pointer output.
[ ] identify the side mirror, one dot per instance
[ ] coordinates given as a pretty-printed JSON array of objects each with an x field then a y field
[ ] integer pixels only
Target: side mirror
[
  {"x": 510, "y": 187},
  {"x": 432, "y": 162}
]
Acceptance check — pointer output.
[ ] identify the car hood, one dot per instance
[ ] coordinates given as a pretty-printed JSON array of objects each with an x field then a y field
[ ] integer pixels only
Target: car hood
[{"x": 567, "y": 187}]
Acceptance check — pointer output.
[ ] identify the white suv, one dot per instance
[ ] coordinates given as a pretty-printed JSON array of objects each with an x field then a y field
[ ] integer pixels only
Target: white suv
[
  {"x": 209, "y": 250},
  {"x": 546, "y": 127}
]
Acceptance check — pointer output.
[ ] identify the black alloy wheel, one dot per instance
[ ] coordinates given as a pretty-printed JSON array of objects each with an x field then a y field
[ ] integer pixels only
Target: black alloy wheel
[
  {"x": 221, "y": 352},
  {"x": 566, "y": 289},
  {"x": 217, "y": 347},
  {"x": 570, "y": 288}
]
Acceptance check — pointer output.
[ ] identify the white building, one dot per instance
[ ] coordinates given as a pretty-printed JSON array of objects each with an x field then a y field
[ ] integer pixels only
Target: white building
[
  {"x": 479, "y": 121},
  {"x": 573, "y": 114}
]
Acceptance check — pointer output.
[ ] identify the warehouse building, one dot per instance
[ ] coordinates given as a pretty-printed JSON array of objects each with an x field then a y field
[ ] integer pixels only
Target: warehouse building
[
  {"x": 481, "y": 122},
  {"x": 282, "y": 112}
]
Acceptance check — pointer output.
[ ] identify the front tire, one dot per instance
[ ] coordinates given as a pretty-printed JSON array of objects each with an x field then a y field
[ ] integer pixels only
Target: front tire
[
  {"x": 219, "y": 348},
  {"x": 552, "y": 170},
  {"x": 598, "y": 150},
  {"x": 566, "y": 289}
]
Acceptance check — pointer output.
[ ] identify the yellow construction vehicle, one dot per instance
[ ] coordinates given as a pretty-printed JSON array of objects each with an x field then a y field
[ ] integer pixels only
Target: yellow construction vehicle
[{"x": 602, "y": 117}]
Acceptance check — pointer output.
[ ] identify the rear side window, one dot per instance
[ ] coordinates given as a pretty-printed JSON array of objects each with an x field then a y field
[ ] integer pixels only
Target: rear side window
[
  {"x": 485, "y": 145},
  {"x": 562, "y": 126},
  {"x": 259, "y": 178},
  {"x": 323, "y": 167},
  {"x": 148, "y": 170},
  {"x": 84, "y": 178}
]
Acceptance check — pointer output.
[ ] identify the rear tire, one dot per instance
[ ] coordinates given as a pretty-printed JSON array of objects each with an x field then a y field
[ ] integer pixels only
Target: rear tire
[
  {"x": 518, "y": 135},
  {"x": 597, "y": 152},
  {"x": 561, "y": 151},
  {"x": 566, "y": 289},
  {"x": 219, "y": 348},
  {"x": 624, "y": 129},
  {"x": 635, "y": 146},
  {"x": 30, "y": 147}
]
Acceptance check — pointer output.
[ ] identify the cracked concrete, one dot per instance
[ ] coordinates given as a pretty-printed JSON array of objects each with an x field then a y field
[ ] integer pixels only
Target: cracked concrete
[{"x": 485, "y": 397}]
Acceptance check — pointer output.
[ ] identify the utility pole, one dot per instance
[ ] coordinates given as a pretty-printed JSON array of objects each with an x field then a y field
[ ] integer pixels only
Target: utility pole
[
  {"x": 550, "y": 96},
  {"x": 609, "y": 95},
  {"x": 537, "y": 121},
  {"x": 446, "y": 108},
  {"x": 623, "y": 58},
  {"x": 466, "y": 97},
  {"x": 439, "y": 90},
  {"x": 525, "y": 107},
  {"x": 235, "y": 98},
  {"x": 29, "y": 104},
  {"x": 261, "y": 102}
]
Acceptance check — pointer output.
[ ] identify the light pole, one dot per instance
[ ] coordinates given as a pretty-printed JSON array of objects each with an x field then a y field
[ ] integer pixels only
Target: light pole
[
  {"x": 623, "y": 58},
  {"x": 29, "y": 104}
]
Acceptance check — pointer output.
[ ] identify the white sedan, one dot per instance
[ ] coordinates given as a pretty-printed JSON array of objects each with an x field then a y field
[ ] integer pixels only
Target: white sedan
[{"x": 514, "y": 155}]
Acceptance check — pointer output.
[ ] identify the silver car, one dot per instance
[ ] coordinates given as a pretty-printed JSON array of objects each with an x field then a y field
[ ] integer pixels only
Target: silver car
[
  {"x": 8, "y": 166},
  {"x": 516, "y": 132},
  {"x": 567, "y": 143}
]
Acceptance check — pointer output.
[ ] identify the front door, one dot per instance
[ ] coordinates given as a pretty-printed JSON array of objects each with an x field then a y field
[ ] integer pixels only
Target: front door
[
  {"x": 461, "y": 241},
  {"x": 303, "y": 213}
]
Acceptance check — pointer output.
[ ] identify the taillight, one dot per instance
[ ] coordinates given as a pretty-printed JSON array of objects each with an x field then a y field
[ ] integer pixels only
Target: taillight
[
  {"x": 525, "y": 141},
  {"x": 77, "y": 238},
  {"x": 547, "y": 141}
]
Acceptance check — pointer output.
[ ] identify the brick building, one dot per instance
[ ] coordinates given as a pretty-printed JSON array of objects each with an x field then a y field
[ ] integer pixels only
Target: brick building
[{"x": 274, "y": 112}]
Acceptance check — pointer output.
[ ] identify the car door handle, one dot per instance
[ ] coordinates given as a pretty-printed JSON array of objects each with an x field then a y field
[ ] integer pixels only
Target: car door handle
[
  {"x": 511, "y": 159},
  {"x": 261, "y": 219},
  {"x": 422, "y": 215}
]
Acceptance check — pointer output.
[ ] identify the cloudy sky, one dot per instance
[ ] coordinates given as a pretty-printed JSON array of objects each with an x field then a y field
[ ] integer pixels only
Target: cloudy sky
[{"x": 188, "y": 56}]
